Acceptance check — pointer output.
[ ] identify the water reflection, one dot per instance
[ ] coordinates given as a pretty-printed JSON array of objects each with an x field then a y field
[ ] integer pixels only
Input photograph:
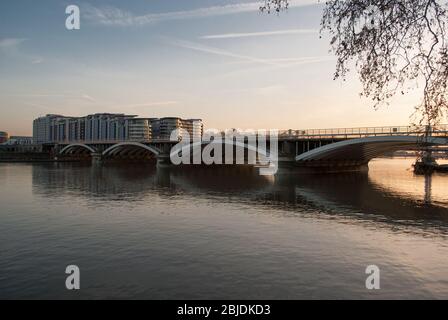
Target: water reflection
[
  {"x": 137, "y": 181},
  {"x": 354, "y": 197},
  {"x": 428, "y": 187},
  {"x": 138, "y": 232}
]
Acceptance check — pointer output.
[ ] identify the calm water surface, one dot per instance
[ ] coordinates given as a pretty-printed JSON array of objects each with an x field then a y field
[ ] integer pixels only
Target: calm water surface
[{"x": 136, "y": 232}]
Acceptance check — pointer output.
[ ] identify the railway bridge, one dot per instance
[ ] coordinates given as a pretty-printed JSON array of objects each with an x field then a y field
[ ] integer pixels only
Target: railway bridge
[{"x": 341, "y": 149}]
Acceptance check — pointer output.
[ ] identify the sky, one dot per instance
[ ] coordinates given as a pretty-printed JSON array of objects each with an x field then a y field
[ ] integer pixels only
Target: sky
[{"x": 219, "y": 60}]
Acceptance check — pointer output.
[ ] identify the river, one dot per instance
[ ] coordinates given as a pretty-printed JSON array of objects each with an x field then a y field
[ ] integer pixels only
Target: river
[{"x": 138, "y": 232}]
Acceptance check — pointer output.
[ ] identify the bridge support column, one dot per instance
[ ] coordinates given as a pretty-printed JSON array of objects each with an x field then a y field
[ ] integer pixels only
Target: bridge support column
[
  {"x": 164, "y": 161},
  {"x": 97, "y": 158}
]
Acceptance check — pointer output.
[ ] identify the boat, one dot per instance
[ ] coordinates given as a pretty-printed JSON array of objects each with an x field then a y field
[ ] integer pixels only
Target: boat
[
  {"x": 442, "y": 168},
  {"x": 428, "y": 166}
]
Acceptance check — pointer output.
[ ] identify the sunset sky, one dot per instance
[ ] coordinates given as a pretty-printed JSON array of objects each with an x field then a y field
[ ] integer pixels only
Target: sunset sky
[{"x": 219, "y": 60}]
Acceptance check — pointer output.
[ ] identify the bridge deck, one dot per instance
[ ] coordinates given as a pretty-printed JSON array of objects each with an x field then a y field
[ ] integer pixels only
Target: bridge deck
[{"x": 312, "y": 134}]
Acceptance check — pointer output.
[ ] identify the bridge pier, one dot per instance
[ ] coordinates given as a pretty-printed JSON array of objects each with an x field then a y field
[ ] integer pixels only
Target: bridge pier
[
  {"x": 97, "y": 158},
  {"x": 164, "y": 161}
]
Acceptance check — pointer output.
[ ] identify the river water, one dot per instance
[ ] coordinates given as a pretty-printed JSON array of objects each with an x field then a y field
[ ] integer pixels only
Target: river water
[{"x": 138, "y": 232}]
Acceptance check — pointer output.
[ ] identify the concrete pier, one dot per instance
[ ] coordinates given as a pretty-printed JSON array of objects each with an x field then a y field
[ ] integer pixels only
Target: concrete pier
[{"x": 97, "y": 158}]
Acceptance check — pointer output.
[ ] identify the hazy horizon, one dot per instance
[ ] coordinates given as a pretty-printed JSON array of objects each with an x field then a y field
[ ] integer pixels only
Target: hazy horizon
[{"x": 222, "y": 61}]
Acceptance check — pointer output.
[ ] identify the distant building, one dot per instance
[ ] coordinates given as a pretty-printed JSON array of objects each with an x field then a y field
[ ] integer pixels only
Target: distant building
[
  {"x": 20, "y": 140},
  {"x": 155, "y": 127},
  {"x": 109, "y": 127},
  {"x": 106, "y": 126},
  {"x": 19, "y": 144},
  {"x": 165, "y": 126},
  {"x": 3, "y": 137},
  {"x": 76, "y": 129},
  {"x": 195, "y": 127},
  {"x": 118, "y": 127},
  {"x": 139, "y": 129},
  {"x": 42, "y": 128}
]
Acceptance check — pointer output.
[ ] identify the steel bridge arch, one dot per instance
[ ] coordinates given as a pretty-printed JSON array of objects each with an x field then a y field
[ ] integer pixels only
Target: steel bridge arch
[
  {"x": 365, "y": 149},
  {"x": 77, "y": 145},
  {"x": 190, "y": 148},
  {"x": 116, "y": 147}
]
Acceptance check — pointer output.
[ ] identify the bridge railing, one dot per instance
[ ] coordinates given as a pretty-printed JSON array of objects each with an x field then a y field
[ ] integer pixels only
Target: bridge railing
[{"x": 360, "y": 132}]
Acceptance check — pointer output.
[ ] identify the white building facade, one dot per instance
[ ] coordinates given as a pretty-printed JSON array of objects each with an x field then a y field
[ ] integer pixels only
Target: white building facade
[{"x": 103, "y": 127}]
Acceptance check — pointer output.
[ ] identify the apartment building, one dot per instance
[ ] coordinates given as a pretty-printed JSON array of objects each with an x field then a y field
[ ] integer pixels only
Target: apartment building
[
  {"x": 42, "y": 128},
  {"x": 166, "y": 126},
  {"x": 109, "y": 127}
]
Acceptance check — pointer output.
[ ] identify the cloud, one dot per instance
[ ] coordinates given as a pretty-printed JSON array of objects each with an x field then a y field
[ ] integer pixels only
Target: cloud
[
  {"x": 10, "y": 47},
  {"x": 260, "y": 34},
  {"x": 74, "y": 101},
  {"x": 277, "y": 63},
  {"x": 37, "y": 61},
  {"x": 10, "y": 43},
  {"x": 287, "y": 63},
  {"x": 113, "y": 16},
  {"x": 108, "y": 15},
  {"x": 88, "y": 98},
  {"x": 219, "y": 52}
]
